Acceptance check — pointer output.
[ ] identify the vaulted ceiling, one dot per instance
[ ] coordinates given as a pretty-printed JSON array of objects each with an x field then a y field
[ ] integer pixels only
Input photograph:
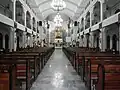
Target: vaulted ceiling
[{"x": 73, "y": 8}]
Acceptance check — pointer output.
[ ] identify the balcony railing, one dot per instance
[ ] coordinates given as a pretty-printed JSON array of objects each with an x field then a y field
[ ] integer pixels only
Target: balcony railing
[
  {"x": 5, "y": 11},
  {"x": 28, "y": 25},
  {"x": 20, "y": 20}
]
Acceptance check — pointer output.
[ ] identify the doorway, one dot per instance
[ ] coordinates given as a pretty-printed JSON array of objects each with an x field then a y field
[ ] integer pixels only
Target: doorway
[
  {"x": 108, "y": 42},
  {"x": 114, "y": 42},
  {"x": 6, "y": 41},
  {"x": 97, "y": 42},
  {"x": 1, "y": 41},
  {"x": 18, "y": 42}
]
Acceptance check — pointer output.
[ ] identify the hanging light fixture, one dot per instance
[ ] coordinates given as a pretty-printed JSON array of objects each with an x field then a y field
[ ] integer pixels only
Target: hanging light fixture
[
  {"x": 58, "y": 5},
  {"x": 58, "y": 20}
]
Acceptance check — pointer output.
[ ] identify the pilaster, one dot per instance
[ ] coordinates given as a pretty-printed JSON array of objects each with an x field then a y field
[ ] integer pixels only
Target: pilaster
[{"x": 103, "y": 39}]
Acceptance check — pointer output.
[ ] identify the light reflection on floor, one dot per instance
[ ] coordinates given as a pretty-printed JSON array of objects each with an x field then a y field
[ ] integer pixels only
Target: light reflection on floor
[
  {"x": 58, "y": 74},
  {"x": 58, "y": 81}
]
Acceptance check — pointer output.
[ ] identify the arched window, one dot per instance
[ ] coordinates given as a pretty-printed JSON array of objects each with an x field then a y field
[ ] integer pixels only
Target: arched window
[
  {"x": 82, "y": 24},
  {"x": 1, "y": 41},
  {"x": 6, "y": 41},
  {"x": 108, "y": 42},
  {"x": 20, "y": 15},
  {"x": 28, "y": 19},
  {"x": 34, "y": 24},
  {"x": 114, "y": 42},
  {"x": 87, "y": 21},
  {"x": 96, "y": 13}
]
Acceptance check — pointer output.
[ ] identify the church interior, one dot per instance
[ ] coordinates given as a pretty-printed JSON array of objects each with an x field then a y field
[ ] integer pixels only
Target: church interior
[{"x": 59, "y": 45}]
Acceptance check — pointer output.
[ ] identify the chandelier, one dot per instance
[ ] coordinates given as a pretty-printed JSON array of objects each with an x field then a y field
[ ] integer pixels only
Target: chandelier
[
  {"x": 58, "y": 20},
  {"x": 58, "y": 5}
]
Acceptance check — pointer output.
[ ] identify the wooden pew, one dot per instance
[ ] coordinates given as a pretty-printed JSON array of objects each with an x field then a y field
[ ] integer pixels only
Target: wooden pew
[
  {"x": 75, "y": 55},
  {"x": 16, "y": 62},
  {"x": 36, "y": 57},
  {"x": 7, "y": 77},
  {"x": 108, "y": 79},
  {"x": 91, "y": 68},
  {"x": 87, "y": 63},
  {"x": 34, "y": 62}
]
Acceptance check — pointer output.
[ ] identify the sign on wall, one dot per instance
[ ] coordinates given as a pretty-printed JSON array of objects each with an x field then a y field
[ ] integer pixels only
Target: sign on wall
[{"x": 68, "y": 39}]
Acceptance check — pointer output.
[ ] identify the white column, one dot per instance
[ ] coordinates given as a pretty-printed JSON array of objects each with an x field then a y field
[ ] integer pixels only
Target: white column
[
  {"x": 24, "y": 39},
  {"x": 15, "y": 39},
  {"x": 103, "y": 40},
  {"x": 25, "y": 18},
  {"x": 81, "y": 42},
  {"x": 11, "y": 41},
  {"x": 31, "y": 40},
  {"x": 101, "y": 11},
  {"x": 84, "y": 24},
  {"x": 75, "y": 32},
  {"x": 90, "y": 18},
  {"x": 91, "y": 39},
  {"x": 14, "y": 10},
  {"x": 100, "y": 40}
]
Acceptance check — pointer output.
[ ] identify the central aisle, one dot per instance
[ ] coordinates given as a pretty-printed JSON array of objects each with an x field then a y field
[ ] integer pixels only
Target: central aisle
[{"x": 58, "y": 74}]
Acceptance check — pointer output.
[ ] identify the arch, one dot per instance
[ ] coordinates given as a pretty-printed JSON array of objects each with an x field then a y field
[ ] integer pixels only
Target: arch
[
  {"x": 108, "y": 42},
  {"x": 96, "y": 13},
  {"x": 6, "y": 41},
  {"x": 20, "y": 15},
  {"x": 28, "y": 19},
  {"x": 34, "y": 22},
  {"x": 1, "y": 41},
  {"x": 87, "y": 21},
  {"x": 114, "y": 42},
  {"x": 82, "y": 24}
]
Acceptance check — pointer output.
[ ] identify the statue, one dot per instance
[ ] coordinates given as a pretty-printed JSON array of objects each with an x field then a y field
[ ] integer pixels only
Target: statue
[{"x": 58, "y": 34}]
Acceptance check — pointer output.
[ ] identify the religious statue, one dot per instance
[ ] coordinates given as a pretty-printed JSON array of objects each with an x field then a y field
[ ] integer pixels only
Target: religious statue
[{"x": 58, "y": 34}]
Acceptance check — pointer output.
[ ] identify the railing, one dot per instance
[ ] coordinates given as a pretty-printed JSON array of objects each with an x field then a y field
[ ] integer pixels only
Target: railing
[
  {"x": 20, "y": 20},
  {"x": 5, "y": 11},
  {"x": 28, "y": 25}
]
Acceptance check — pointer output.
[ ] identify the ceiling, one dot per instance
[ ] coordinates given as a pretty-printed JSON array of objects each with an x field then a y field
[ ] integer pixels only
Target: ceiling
[{"x": 43, "y": 8}]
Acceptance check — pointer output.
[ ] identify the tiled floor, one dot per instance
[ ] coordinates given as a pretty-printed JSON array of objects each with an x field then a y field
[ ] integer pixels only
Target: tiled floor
[{"x": 58, "y": 74}]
